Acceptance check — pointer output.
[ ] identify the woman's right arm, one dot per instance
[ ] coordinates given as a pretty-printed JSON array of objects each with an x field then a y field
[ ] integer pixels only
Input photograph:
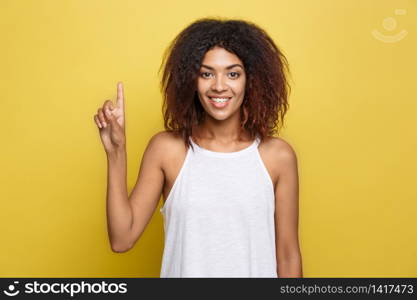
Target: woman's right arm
[{"x": 127, "y": 216}]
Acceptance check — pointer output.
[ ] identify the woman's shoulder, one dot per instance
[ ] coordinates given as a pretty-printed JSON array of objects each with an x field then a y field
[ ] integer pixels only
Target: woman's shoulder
[
  {"x": 167, "y": 143},
  {"x": 165, "y": 139},
  {"x": 278, "y": 148}
]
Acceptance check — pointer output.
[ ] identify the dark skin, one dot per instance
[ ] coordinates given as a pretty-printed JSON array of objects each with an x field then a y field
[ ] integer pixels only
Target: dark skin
[{"x": 164, "y": 155}]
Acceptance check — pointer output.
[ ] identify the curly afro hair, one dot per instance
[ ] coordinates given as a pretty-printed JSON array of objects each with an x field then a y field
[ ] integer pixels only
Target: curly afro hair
[{"x": 265, "y": 102}]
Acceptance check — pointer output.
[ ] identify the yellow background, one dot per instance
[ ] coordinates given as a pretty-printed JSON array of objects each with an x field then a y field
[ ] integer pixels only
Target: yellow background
[{"x": 351, "y": 121}]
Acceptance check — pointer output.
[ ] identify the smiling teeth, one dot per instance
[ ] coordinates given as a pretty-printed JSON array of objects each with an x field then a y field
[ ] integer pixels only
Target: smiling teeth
[{"x": 220, "y": 100}]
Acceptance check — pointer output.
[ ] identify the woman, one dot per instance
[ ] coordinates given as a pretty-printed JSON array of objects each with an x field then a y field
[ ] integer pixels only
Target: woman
[{"x": 230, "y": 188}]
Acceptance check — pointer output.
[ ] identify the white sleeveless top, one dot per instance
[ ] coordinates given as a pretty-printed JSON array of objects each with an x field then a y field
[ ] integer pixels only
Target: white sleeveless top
[{"x": 219, "y": 216}]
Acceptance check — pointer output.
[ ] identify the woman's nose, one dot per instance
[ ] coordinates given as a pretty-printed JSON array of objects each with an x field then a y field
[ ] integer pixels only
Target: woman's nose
[{"x": 219, "y": 84}]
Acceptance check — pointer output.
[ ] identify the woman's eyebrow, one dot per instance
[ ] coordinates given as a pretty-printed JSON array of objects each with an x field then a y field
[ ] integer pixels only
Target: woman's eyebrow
[{"x": 227, "y": 68}]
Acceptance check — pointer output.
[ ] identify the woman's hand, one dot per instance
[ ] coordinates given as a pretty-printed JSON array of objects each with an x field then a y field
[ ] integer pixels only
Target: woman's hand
[{"x": 110, "y": 120}]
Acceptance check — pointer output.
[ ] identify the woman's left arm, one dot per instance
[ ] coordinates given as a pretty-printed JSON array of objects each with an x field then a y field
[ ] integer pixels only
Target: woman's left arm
[{"x": 289, "y": 262}]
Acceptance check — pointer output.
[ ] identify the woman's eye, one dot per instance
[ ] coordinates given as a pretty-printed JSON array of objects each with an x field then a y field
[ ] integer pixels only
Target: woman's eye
[
  {"x": 202, "y": 74},
  {"x": 237, "y": 74}
]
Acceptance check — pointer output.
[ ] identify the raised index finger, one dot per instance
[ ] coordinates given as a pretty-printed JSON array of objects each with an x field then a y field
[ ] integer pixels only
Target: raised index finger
[{"x": 120, "y": 98}]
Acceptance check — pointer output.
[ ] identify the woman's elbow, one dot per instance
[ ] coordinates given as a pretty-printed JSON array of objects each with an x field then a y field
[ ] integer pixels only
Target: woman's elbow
[{"x": 117, "y": 248}]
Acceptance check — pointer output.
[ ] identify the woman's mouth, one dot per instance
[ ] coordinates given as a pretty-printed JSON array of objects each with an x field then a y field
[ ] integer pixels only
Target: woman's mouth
[{"x": 219, "y": 102}]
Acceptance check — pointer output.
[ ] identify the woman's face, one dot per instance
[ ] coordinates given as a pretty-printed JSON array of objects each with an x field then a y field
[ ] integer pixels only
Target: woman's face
[{"x": 221, "y": 78}]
